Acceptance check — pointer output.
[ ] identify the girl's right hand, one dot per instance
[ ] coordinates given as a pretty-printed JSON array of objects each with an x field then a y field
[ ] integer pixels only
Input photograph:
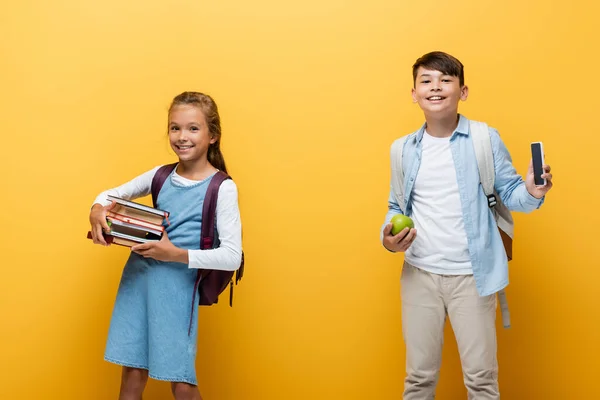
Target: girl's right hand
[{"x": 98, "y": 222}]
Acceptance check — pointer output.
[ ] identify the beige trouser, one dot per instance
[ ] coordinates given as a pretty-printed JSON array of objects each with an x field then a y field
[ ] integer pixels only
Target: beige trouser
[{"x": 426, "y": 300}]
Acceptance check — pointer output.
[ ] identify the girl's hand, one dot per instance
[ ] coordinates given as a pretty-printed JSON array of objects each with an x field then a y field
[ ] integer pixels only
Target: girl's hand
[
  {"x": 98, "y": 222},
  {"x": 162, "y": 250},
  {"x": 400, "y": 242},
  {"x": 538, "y": 191}
]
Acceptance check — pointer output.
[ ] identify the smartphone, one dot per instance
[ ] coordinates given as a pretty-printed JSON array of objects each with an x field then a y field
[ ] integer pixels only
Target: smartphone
[{"x": 537, "y": 155}]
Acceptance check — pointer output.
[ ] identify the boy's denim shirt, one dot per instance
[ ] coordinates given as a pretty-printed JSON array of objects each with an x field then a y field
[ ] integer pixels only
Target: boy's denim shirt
[{"x": 488, "y": 257}]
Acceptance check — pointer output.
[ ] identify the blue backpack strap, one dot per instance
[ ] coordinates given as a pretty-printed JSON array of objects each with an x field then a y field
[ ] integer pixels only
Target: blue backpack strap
[{"x": 159, "y": 179}]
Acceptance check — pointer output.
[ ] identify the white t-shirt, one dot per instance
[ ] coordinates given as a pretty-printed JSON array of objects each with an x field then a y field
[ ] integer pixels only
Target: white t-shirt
[
  {"x": 228, "y": 255},
  {"x": 441, "y": 244}
]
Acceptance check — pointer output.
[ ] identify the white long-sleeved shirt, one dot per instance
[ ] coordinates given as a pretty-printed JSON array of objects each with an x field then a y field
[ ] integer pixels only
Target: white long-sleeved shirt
[{"x": 228, "y": 255}]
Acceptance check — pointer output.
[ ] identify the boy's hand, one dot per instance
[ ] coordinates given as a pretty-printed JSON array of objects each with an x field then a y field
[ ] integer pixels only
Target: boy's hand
[
  {"x": 538, "y": 191},
  {"x": 400, "y": 242},
  {"x": 162, "y": 250},
  {"x": 98, "y": 222}
]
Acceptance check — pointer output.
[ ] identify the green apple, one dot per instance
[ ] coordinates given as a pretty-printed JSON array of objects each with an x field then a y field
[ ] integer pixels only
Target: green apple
[{"x": 399, "y": 222}]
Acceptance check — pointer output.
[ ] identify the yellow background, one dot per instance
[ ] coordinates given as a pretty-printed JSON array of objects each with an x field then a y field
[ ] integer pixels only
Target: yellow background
[{"x": 311, "y": 96}]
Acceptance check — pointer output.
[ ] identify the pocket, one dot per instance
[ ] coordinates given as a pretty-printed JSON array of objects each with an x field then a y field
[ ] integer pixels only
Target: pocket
[{"x": 406, "y": 269}]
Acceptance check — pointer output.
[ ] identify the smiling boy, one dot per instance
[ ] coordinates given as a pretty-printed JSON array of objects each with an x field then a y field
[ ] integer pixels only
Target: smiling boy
[{"x": 455, "y": 261}]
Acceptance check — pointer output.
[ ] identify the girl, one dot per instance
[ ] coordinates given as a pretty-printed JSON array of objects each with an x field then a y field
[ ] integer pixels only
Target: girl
[{"x": 148, "y": 333}]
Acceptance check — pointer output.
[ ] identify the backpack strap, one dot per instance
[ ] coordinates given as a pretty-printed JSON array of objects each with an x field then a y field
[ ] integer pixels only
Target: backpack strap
[
  {"x": 212, "y": 282},
  {"x": 398, "y": 172},
  {"x": 487, "y": 175},
  {"x": 159, "y": 179},
  {"x": 209, "y": 214},
  {"x": 209, "y": 241},
  {"x": 485, "y": 159},
  {"x": 209, "y": 210}
]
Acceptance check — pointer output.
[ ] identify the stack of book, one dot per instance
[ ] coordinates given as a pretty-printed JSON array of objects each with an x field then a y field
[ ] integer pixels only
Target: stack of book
[{"x": 133, "y": 223}]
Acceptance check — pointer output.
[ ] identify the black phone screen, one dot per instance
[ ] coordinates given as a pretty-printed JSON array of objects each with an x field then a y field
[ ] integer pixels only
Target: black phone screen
[{"x": 536, "y": 154}]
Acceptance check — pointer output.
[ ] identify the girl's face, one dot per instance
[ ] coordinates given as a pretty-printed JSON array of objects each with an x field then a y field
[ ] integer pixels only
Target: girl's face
[{"x": 188, "y": 132}]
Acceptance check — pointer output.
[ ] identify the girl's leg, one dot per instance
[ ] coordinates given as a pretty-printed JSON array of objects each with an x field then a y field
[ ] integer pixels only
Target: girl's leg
[
  {"x": 133, "y": 382},
  {"x": 185, "y": 391}
]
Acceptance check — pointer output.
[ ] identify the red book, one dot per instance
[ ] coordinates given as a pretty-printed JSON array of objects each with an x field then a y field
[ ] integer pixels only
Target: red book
[{"x": 134, "y": 221}]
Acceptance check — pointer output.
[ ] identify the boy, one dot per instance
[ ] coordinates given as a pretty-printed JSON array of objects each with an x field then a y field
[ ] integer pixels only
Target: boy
[{"x": 455, "y": 261}]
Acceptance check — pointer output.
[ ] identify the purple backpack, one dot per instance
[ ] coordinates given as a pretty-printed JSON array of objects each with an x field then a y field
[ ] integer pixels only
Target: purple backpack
[{"x": 209, "y": 283}]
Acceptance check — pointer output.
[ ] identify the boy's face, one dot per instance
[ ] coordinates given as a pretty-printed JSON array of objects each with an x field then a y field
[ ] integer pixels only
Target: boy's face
[{"x": 438, "y": 94}]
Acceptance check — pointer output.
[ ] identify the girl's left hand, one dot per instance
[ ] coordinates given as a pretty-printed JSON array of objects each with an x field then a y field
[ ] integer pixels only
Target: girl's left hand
[
  {"x": 538, "y": 191},
  {"x": 162, "y": 250}
]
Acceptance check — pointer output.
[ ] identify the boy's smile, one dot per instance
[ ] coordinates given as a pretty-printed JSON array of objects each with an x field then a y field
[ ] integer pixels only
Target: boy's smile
[{"x": 436, "y": 99}]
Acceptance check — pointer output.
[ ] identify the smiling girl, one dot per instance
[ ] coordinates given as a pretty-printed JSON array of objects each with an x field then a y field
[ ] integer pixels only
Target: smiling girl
[{"x": 149, "y": 333}]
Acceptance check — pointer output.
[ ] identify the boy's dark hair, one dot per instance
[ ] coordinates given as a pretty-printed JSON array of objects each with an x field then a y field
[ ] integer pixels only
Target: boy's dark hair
[{"x": 440, "y": 61}]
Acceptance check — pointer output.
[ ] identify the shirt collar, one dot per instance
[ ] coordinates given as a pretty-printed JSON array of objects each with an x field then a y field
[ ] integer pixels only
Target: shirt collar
[{"x": 462, "y": 128}]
